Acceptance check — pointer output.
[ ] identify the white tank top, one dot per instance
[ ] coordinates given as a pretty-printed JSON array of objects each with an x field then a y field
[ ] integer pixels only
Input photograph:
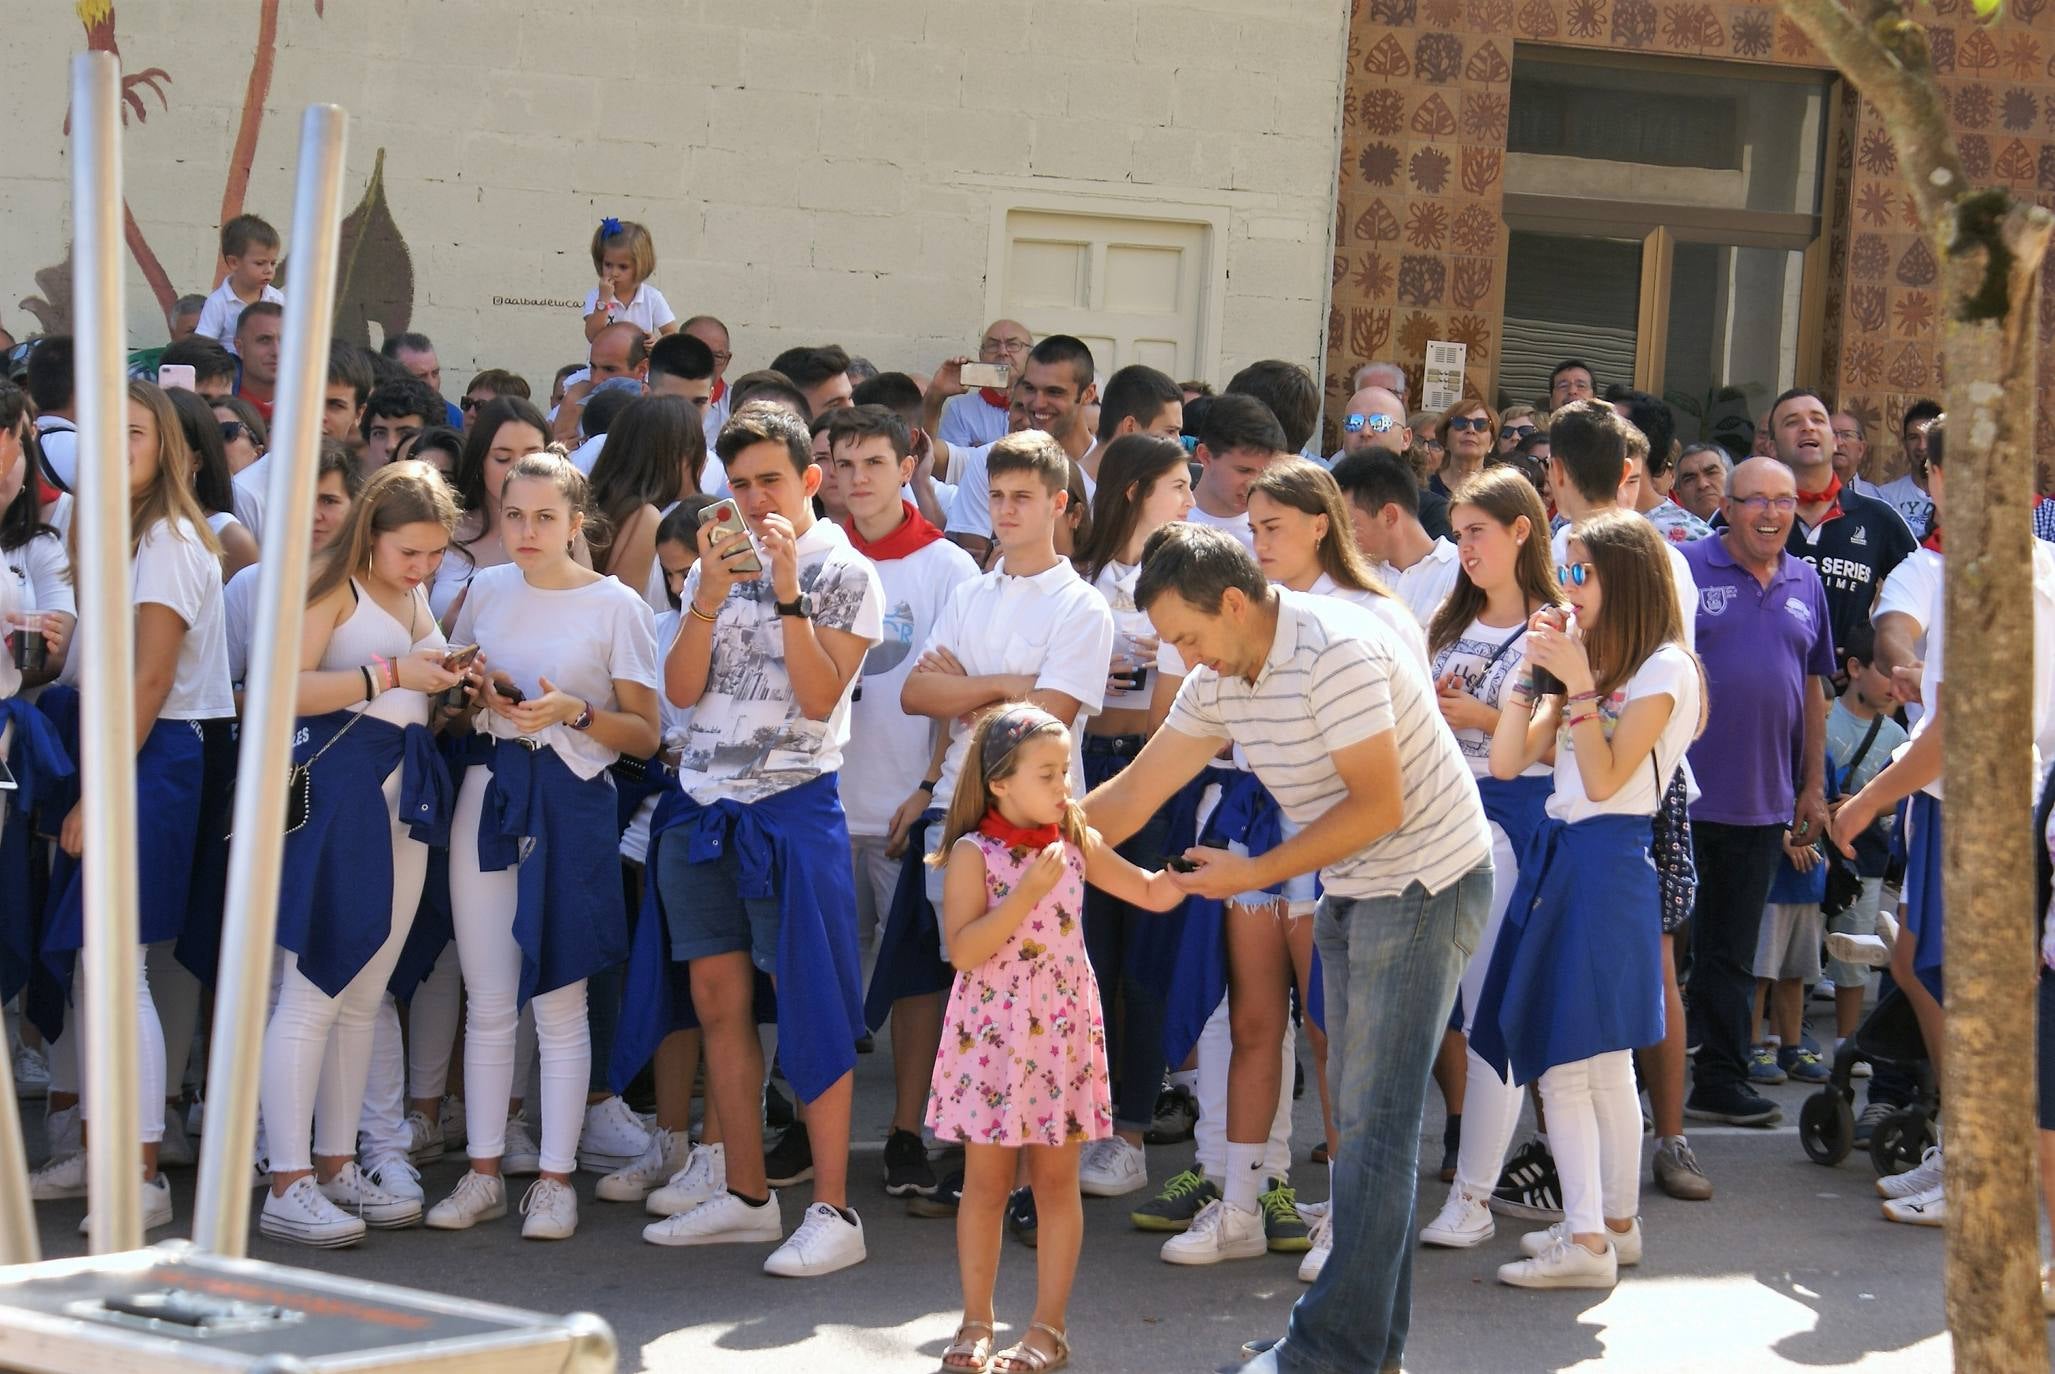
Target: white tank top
[{"x": 370, "y": 629}]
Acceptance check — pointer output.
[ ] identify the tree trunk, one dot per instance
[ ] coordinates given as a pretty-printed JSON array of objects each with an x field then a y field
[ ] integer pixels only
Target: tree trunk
[{"x": 1991, "y": 246}]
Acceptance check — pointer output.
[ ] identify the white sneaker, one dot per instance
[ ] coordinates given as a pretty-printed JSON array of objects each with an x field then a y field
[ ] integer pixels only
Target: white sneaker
[
  {"x": 704, "y": 1175},
  {"x": 1323, "y": 1245},
  {"x": 1924, "y": 1177},
  {"x": 357, "y": 1193},
  {"x": 31, "y": 1073},
  {"x": 453, "y": 1122},
  {"x": 1864, "y": 951},
  {"x": 551, "y": 1209},
  {"x": 1929, "y": 1208},
  {"x": 1462, "y": 1222},
  {"x": 61, "y": 1176},
  {"x": 425, "y": 1144},
  {"x": 64, "y": 1132},
  {"x": 174, "y": 1151},
  {"x": 520, "y": 1157},
  {"x": 614, "y": 1137},
  {"x": 307, "y": 1215},
  {"x": 722, "y": 1219},
  {"x": 156, "y": 1206},
  {"x": 1626, "y": 1244},
  {"x": 477, "y": 1197},
  {"x": 1564, "y": 1264},
  {"x": 1112, "y": 1168},
  {"x": 395, "y": 1174},
  {"x": 666, "y": 1155},
  {"x": 825, "y": 1241},
  {"x": 1219, "y": 1232}
]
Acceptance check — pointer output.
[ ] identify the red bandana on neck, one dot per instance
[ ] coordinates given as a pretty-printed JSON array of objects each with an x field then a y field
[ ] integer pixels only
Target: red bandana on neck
[
  {"x": 993, "y": 397},
  {"x": 912, "y": 535},
  {"x": 720, "y": 390},
  {"x": 1933, "y": 540},
  {"x": 1017, "y": 836},
  {"x": 1826, "y": 493}
]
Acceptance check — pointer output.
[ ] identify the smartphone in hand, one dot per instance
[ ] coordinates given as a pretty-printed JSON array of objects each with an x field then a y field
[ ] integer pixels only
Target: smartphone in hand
[{"x": 726, "y": 519}]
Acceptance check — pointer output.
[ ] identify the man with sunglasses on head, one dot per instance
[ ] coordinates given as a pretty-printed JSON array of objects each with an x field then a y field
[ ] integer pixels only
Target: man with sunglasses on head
[{"x": 1376, "y": 419}]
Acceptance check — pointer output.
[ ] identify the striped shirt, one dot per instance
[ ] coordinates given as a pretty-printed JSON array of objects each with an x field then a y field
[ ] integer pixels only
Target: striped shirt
[{"x": 1336, "y": 676}]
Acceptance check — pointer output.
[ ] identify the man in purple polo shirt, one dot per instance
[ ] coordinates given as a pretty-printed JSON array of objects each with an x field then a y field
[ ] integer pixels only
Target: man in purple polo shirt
[{"x": 1764, "y": 637}]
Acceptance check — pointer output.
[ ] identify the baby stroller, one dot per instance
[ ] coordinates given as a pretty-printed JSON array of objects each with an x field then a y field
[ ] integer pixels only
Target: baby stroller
[{"x": 1888, "y": 1037}]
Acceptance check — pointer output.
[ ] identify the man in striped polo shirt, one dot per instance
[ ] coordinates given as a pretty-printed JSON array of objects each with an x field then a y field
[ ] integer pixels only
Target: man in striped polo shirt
[{"x": 1341, "y": 726}]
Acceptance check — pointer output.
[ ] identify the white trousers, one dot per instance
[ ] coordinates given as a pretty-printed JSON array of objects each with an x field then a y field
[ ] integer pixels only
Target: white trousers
[
  {"x": 70, "y": 1049},
  {"x": 1594, "y": 1130},
  {"x": 1491, "y": 1105}
]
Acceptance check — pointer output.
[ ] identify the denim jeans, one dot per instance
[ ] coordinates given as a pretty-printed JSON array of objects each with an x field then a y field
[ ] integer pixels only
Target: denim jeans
[
  {"x": 1736, "y": 864},
  {"x": 1390, "y": 968}
]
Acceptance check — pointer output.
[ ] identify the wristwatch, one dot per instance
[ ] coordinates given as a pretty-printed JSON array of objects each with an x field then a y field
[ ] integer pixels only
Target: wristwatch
[
  {"x": 583, "y": 719},
  {"x": 803, "y": 607}
]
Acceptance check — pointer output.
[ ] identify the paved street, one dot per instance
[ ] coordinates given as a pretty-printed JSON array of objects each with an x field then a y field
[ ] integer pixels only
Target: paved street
[{"x": 1789, "y": 1267}]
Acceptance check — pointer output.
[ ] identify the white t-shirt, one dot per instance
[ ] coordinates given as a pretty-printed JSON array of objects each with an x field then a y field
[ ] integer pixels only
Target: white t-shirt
[
  {"x": 672, "y": 721},
  {"x": 238, "y": 604},
  {"x": 175, "y": 569},
  {"x": 1669, "y": 671},
  {"x": 224, "y": 310},
  {"x": 583, "y": 639},
  {"x": 250, "y": 494},
  {"x": 888, "y": 747},
  {"x": 970, "y": 421},
  {"x": 1425, "y": 585},
  {"x": 1116, "y": 584},
  {"x": 749, "y": 739},
  {"x": 1680, "y": 574},
  {"x": 1485, "y": 657},
  {"x": 58, "y": 438},
  {"x": 1395, "y": 614},
  {"x": 1913, "y": 588},
  {"x": 971, "y": 513},
  {"x": 1052, "y": 625},
  {"x": 2042, "y": 669},
  {"x": 41, "y": 572},
  {"x": 647, "y": 309},
  {"x": 13, "y": 597},
  {"x": 1236, "y": 525},
  {"x": 1914, "y": 506},
  {"x": 587, "y": 453}
]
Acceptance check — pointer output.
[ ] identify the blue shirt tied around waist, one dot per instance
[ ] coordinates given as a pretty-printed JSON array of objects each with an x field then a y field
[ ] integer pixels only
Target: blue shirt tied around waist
[
  {"x": 1198, "y": 977},
  {"x": 545, "y": 819},
  {"x": 909, "y": 962},
  {"x": 41, "y": 766},
  {"x": 1577, "y": 970},
  {"x": 338, "y": 865},
  {"x": 434, "y": 926},
  {"x": 791, "y": 847}
]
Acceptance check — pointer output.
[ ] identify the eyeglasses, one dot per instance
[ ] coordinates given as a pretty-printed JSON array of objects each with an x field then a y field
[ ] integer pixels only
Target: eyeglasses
[
  {"x": 1575, "y": 574},
  {"x": 1379, "y": 423},
  {"x": 1477, "y": 423},
  {"x": 1758, "y": 505},
  {"x": 1517, "y": 431},
  {"x": 992, "y": 349},
  {"x": 723, "y": 359},
  {"x": 232, "y": 430}
]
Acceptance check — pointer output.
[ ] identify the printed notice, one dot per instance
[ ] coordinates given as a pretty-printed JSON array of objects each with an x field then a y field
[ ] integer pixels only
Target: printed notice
[{"x": 1442, "y": 385}]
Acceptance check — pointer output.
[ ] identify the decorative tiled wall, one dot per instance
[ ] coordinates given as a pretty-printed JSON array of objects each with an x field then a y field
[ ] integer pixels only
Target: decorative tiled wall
[{"x": 1420, "y": 245}]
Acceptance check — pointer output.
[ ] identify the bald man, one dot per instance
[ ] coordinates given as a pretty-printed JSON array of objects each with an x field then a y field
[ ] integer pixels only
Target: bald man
[
  {"x": 618, "y": 350},
  {"x": 1376, "y": 418},
  {"x": 979, "y": 416}
]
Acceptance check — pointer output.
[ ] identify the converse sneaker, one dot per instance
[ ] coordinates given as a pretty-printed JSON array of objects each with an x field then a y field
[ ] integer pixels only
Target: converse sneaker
[
  {"x": 1626, "y": 1244},
  {"x": 789, "y": 1161},
  {"x": 1180, "y": 1201},
  {"x": 907, "y": 1170},
  {"x": 64, "y": 1132},
  {"x": 304, "y": 1215},
  {"x": 31, "y": 1073},
  {"x": 425, "y": 1144},
  {"x": 1219, "y": 1232},
  {"x": 174, "y": 1150},
  {"x": 520, "y": 1157},
  {"x": 477, "y": 1197},
  {"x": 1284, "y": 1230},
  {"x": 1323, "y": 1246},
  {"x": 62, "y": 1176},
  {"x": 1112, "y": 1168},
  {"x": 450, "y": 1116},
  {"x": 156, "y": 1206},
  {"x": 723, "y": 1219},
  {"x": 1564, "y": 1264},
  {"x": 665, "y": 1156},
  {"x": 354, "y": 1192},
  {"x": 704, "y": 1175},
  {"x": 391, "y": 1172},
  {"x": 550, "y": 1209},
  {"x": 1924, "y": 1176},
  {"x": 1528, "y": 1187},
  {"x": 1462, "y": 1222},
  {"x": 614, "y": 1137},
  {"x": 1929, "y": 1208},
  {"x": 826, "y": 1240}
]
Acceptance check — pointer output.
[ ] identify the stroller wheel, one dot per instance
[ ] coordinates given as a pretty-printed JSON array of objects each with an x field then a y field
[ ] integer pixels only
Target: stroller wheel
[
  {"x": 1826, "y": 1127},
  {"x": 1900, "y": 1140}
]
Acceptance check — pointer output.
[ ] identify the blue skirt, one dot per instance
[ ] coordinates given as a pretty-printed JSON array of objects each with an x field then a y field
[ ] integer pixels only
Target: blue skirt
[
  {"x": 42, "y": 768},
  {"x": 909, "y": 960},
  {"x": 1923, "y": 902},
  {"x": 1518, "y": 806},
  {"x": 1577, "y": 970}
]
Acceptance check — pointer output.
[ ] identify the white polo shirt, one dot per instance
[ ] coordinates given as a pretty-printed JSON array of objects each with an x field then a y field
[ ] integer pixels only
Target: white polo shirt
[{"x": 1425, "y": 585}]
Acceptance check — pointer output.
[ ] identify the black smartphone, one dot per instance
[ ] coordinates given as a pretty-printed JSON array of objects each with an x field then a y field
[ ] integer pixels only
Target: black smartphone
[
  {"x": 1178, "y": 863},
  {"x": 1545, "y": 682},
  {"x": 509, "y": 693}
]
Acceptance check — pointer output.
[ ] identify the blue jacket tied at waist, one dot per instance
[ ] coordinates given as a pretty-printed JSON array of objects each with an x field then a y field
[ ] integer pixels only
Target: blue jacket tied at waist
[
  {"x": 40, "y": 763},
  {"x": 1248, "y": 815}
]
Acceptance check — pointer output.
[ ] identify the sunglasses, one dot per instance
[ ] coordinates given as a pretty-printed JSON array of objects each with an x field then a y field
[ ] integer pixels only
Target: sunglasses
[
  {"x": 1518, "y": 431},
  {"x": 1575, "y": 574},
  {"x": 471, "y": 403},
  {"x": 1377, "y": 424},
  {"x": 232, "y": 430},
  {"x": 1479, "y": 423}
]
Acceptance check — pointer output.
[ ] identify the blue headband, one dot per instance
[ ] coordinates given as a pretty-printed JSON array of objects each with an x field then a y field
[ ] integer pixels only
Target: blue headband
[{"x": 1009, "y": 728}]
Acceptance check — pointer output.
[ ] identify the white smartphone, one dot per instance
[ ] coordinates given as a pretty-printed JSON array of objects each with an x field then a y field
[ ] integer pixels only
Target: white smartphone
[
  {"x": 998, "y": 375},
  {"x": 727, "y": 521},
  {"x": 177, "y": 375}
]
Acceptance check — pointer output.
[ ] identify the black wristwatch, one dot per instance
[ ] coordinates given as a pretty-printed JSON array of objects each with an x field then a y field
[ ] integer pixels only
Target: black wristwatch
[{"x": 803, "y": 607}]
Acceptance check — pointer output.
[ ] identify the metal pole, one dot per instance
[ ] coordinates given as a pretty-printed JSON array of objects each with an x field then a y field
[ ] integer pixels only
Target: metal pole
[
  {"x": 107, "y": 666},
  {"x": 18, "y": 1243},
  {"x": 221, "y": 1216}
]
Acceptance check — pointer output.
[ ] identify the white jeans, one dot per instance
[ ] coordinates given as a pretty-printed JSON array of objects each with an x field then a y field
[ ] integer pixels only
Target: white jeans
[
  {"x": 1594, "y": 1130},
  {"x": 317, "y": 1048},
  {"x": 177, "y": 994},
  {"x": 1491, "y": 1105},
  {"x": 1216, "y": 1045},
  {"x": 149, "y": 1058},
  {"x": 482, "y": 905}
]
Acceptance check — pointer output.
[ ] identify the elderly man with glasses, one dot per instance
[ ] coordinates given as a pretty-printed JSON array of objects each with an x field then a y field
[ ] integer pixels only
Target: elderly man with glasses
[{"x": 978, "y": 416}]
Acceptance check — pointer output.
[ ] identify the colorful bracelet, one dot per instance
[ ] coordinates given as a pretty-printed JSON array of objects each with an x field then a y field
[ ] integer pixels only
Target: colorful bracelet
[
  {"x": 1591, "y": 695},
  {"x": 693, "y": 606},
  {"x": 1574, "y": 721}
]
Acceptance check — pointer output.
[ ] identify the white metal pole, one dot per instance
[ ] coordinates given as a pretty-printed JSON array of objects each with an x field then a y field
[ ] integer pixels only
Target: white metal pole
[
  {"x": 18, "y": 1242},
  {"x": 107, "y": 664},
  {"x": 221, "y": 1216}
]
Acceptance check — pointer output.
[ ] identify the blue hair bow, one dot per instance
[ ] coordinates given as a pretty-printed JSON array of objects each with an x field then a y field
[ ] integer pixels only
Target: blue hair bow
[{"x": 609, "y": 226}]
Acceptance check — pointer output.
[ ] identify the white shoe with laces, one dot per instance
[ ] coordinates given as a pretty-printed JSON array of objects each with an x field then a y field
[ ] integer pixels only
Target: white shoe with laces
[
  {"x": 1626, "y": 1244},
  {"x": 520, "y": 1156},
  {"x": 1919, "y": 1179},
  {"x": 306, "y": 1215},
  {"x": 31, "y": 1073},
  {"x": 477, "y": 1197},
  {"x": 722, "y": 1219},
  {"x": 450, "y": 1116},
  {"x": 356, "y": 1193},
  {"x": 614, "y": 1137},
  {"x": 156, "y": 1206},
  {"x": 174, "y": 1150},
  {"x": 550, "y": 1209},
  {"x": 704, "y": 1175},
  {"x": 1463, "y": 1221},
  {"x": 825, "y": 1241},
  {"x": 668, "y": 1152},
  {"x": 395, "y": 1173},
  {"x": 1219, "y": 1232},
  {"x": 64, "y": 1131},
  {"x": 1929, "y": 1208},
  {"x": 62, "y": 1176},
  {"x": 425, "y": 1144},
  {"x": 1315, "y": 1259},
  {"x": 1564, "y": 1264},
  {"x": 1112, "y": 1168}
]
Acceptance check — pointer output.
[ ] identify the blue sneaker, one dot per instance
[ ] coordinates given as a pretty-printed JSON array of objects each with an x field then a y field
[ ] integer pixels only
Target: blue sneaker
[
  {"x": 1866, "y": 1123},
  {"x": 1802, "y": 1065},
  {"x": 1762, "y": 1066}
]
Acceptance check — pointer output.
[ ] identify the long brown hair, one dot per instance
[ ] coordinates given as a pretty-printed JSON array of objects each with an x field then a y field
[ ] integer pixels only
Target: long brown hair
[
  {"x": 973, "y": 797},
  {"x": 1128, "y": 473},
  {"x": 399, "y": 494},
  {"x": 169, "y": 497},
  {"x": 1639, "y": 612},
  {"x": 1310, "y": 489},
  {"x": 1506, "y": 496}
]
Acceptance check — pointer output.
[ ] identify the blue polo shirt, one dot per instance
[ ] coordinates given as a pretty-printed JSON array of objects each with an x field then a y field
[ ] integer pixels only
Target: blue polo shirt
[{"x": 1758, "y": 644}]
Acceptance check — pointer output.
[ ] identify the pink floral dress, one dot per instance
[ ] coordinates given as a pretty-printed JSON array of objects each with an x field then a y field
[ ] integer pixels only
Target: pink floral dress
[{"x": 1023, "y": 1058}]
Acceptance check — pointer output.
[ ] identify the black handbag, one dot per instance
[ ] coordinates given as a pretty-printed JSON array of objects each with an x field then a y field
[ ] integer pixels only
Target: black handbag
[
  {"x": 1844, "y": 884},
  {"x": 299, "y": 784}
]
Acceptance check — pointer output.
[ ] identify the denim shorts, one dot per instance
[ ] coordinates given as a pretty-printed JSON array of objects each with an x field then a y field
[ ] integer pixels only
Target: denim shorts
[{"x": 706, "y": 914}]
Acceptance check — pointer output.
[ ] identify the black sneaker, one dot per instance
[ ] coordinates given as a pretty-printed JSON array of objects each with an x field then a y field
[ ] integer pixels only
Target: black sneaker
[
  {"x": 1528, "y": 1187},
  {"x": 943, "y": 1202},
  {"x": 1177, "y": 1115},
  {"x": 1181, "y": 1200},
  {"x": 1734, "y": 1104},
  {"x": 789, "y": 1161},
  {"x": 907, "y": 1170},
  {"x": 777, "y": 1108},
  {"x": 866, "y": 1045},
  {"x": 1451, "y": 1146},
  {"x": 1020, "y": 1216}
]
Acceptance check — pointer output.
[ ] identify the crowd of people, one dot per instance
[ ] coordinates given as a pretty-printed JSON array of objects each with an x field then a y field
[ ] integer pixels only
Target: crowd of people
[{"x": 1100, "y": 736}]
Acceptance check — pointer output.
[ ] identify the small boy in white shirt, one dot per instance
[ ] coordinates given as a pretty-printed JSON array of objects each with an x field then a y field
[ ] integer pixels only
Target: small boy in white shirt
[{"x": 249, "y": 246}]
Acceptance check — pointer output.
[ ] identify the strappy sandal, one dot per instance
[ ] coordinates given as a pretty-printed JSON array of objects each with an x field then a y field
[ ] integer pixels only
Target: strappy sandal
[
  {"x": 1022, "y": 1358},
  {"x": 967, "y": 1354}
]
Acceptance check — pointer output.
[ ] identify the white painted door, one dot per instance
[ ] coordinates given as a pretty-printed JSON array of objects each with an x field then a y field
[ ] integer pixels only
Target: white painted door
[{"x": 1133, "y": 289}]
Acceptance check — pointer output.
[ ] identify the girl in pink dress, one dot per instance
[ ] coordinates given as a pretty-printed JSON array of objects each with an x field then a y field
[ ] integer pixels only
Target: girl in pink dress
[{"x": 1023, "y": 1058}]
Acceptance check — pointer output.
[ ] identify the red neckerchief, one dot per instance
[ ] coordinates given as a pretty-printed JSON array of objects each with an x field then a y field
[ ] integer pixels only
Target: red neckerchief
[
  {"x": 1017, "y": 836},
  {"x": 912, "y": 535},
  {"x": 1830, "y": 493},
  {"x": 45, "y": 493},
  {"x": 1933, "y": 540},
  {"x": 720, "y": 390},
  {"x": 993, "y": 397}
]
